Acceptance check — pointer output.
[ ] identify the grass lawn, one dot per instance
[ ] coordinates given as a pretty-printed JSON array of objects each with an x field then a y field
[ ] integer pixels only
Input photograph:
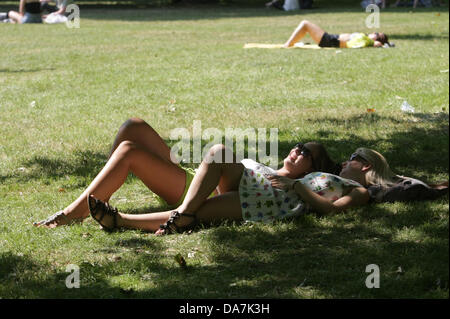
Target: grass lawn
[{"x": 64, "y": 93}]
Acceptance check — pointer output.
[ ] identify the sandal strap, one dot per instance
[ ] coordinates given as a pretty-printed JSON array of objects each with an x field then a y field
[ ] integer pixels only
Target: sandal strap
[
  {"x": 170, "y": 227},
  {"x": 104, "y": 209},
  {"x": 53, "y": 217}
]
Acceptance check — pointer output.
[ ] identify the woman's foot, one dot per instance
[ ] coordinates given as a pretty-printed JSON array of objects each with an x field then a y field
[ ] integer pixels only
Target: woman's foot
[
  {"x": 107, "y": 216},
  {"x": 59, "y": 219},
  {"x": 440, "y": 186},
  {"x": 177, "y": 223}
]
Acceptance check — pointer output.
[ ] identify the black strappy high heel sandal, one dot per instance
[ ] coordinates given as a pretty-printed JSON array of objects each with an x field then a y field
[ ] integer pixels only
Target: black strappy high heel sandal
[
  {"x": 170, "y": 227},
  {"x": 99, "y": 209}
]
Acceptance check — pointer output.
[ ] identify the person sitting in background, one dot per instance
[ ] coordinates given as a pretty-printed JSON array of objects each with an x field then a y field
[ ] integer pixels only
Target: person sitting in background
[
  {"x": 29, "y": 12},
  {"x": 59, "y": 8},
  {"x": 379, "y": 3},
  {"x": 344, "y": 40},
  {"x": 415, "y": 3}
]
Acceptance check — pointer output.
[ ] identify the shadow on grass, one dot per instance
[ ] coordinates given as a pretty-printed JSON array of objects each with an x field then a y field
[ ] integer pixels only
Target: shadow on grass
[
  {"x": 86, "y": 164},
  {"x": 305, "y": 258},
  {"x": 418, "y": 36},
  {"x": 329, "y": 261},
  {"x": 23, "y": 276},
  {"x": 406, "y": 150},
  {"x": 25, "y": 70}
]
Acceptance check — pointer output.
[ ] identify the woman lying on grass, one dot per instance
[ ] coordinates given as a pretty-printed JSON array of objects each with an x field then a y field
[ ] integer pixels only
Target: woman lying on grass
[
  {"x": 139, "y": 149},
  {"x": 253, "y": 192},
  {"x": 344, "y": 40}
]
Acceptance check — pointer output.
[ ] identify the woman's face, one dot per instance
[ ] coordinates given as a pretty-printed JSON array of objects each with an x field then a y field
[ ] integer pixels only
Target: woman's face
[
  {"x": 299, "y": 160},
  {"x": 375, "y": 36}
]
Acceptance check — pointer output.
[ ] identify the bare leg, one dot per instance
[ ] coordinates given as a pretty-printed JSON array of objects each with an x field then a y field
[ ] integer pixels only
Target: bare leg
[
  {"x": 141, "y": 133},
  {"x": 209, "y": 175},
  {"x": 222, "y": 207},
  {"x": 161, "y": 176},
  {"x": 138, "y": 131},
  {"x": 15, "y": 17},
  {"x": 213, "y": 172},
  {"x": 147, "y": 139},
  {"x": 305, "y": 27}
]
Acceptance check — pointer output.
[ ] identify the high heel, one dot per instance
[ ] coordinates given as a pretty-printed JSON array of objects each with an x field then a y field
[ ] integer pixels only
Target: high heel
[
  {"x": 99, "y": 209},
  {"x": 170, "y": 227}
]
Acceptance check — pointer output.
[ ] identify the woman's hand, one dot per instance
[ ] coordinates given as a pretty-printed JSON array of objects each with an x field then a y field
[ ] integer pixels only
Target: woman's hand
[
  {"x": 377, "y": 44},
  {"x": 281, "y": 182}
]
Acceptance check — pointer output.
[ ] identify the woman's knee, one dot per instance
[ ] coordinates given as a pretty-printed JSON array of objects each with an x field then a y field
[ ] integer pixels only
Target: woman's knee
[
  {"x": 132, "y": 123},
  {"x": 219, "y": 153},
  {"x": 125, "y": 149}
]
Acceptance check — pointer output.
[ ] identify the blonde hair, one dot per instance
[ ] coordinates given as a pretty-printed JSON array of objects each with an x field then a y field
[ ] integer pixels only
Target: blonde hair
[{"x": 380, "y": 173}]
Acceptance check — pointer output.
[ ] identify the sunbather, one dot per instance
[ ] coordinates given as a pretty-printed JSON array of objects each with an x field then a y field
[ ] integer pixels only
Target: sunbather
[
  {"x": 139, "y": 149},
  {"x": 254, "y": 192},
  {"x": 344, "y": 40}
]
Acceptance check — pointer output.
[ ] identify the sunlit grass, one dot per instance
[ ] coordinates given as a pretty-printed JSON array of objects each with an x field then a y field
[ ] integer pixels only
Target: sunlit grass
[{"x": 64, "y": 93}]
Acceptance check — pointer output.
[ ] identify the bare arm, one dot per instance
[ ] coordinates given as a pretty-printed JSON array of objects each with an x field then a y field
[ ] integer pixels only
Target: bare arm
[
  {"x": 377, "y": 44},
  {"x": 22, "y": 7},
  {"x": 358, "y": 196}
]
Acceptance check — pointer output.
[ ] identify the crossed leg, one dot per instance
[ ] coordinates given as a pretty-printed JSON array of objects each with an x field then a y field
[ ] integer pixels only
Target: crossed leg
[
  {"x": 15, "y": 17},
  {"x": 138, "y": 149},
  {"x": 225, "y": 206},
  {"x": 305, "y": 27}
]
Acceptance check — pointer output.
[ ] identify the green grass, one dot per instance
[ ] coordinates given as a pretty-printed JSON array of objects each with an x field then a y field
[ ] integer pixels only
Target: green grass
[{"x": 141, "y": 63}]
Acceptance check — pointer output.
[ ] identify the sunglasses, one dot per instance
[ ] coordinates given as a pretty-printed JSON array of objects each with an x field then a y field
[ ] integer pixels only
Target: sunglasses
[
  {"x": 355, "y": 157},
  {"x": 305, "y": 152}
]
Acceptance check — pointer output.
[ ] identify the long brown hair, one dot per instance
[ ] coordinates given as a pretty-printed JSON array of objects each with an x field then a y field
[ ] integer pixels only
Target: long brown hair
[{"x": 321, "y": 159}]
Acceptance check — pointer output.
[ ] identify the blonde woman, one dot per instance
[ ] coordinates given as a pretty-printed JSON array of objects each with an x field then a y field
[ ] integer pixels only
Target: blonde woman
[{"x": 254, "y": 193}]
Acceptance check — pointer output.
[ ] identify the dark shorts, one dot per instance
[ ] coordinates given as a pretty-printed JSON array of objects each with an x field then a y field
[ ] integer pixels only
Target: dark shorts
[
  {"x": 31, "y": 18},
  {"x": 329, "y": 40}
]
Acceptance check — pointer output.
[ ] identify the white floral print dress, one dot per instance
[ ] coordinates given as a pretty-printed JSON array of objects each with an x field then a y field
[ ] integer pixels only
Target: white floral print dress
[{"x": 260, "y": 202}]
